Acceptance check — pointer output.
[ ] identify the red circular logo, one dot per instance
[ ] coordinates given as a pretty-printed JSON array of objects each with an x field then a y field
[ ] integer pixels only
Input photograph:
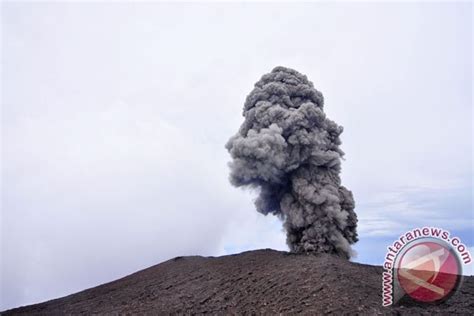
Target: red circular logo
[{"x": 429, "y": 271}]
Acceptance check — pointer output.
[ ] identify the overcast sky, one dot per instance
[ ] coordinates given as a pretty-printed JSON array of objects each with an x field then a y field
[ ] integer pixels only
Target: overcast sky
[{"x": 115, "y": 116}]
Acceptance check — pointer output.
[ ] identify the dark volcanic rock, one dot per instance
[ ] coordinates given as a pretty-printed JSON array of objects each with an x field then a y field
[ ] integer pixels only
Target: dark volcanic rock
[{"x": 254, "y": 282}]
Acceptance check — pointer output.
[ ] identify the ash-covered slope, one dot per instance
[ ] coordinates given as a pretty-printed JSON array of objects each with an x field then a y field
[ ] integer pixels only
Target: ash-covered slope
[{"x": 262, "y": 281}]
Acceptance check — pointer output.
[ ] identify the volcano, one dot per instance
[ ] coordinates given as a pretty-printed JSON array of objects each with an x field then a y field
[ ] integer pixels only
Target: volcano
[{"x": 253, "y": 282}]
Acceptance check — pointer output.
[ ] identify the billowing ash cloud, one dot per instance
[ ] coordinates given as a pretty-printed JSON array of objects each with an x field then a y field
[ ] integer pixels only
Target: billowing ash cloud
[{"x": 289, "y": 150}]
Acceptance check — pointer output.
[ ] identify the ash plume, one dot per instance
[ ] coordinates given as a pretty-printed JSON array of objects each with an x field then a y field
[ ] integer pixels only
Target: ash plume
[{"x": 289, "y": 150}]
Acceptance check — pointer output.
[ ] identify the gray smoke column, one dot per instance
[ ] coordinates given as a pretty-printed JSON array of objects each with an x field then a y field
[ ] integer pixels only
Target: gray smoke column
[{"x": 289, "y": 150}]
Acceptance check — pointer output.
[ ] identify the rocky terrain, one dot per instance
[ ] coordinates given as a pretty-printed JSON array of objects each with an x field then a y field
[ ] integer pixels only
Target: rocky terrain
[{"x": 254, "y": 282}]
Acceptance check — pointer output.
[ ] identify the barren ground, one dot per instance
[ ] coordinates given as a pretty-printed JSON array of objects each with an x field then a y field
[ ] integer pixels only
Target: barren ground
[{"x": 254, "y": 282}]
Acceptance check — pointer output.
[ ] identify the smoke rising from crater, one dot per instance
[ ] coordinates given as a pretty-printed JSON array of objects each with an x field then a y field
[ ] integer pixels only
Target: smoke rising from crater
[{"x": 289, "y": 150}]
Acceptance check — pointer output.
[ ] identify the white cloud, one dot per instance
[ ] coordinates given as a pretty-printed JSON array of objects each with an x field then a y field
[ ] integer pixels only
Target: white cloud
[
  {"x": 395, "y": 212},
  {"x": 115, "y": 119}
]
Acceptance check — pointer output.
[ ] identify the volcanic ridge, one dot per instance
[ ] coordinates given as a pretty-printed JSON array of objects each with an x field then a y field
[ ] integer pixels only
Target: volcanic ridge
[{"x": 253, "y": 282}]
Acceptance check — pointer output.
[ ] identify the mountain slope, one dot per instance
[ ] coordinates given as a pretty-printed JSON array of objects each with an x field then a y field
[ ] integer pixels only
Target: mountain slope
[{"x": 261, "y": 281}]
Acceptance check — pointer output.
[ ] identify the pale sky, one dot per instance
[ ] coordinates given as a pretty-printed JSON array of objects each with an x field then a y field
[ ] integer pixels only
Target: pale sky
[{"x": 115, "y": 117}]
